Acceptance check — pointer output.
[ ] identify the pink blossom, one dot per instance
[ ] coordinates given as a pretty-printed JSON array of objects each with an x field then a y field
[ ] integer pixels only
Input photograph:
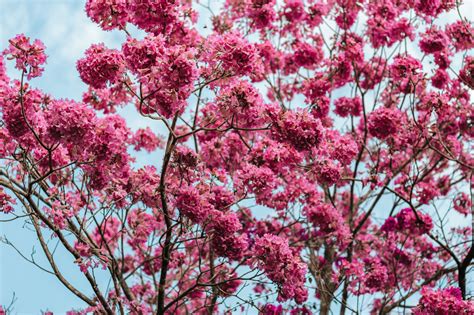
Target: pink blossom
[
  {"x": 6, "y": 202},
  {"x": 157, "y": 17},
  {"x": 308, "y": 55},
  {"x": 348, "y": 106},
  {"x": 467, "y": 73},
  {"x": 144, "y": 138},
  {"x": 384, "y": 122},
  {"x": 294, "y": 10},
  {"x": 282, "y": 266},
  {"x": 232, "y": 53},
  {"x": 107, "y": 235},
  {"x": 461, "y": 34},
  {"x": 434, "y": 40},
  {"x": 406, "y": 220},
  {"x": 109, "y": 14},
  {"x": 223, "y": 227},
  {"x": 405, "y": 72},
  {"x": 298, "y": 128},
  {"x": 327, "y": 221},
  {"x": 462, "y": 204},
  {"x": 100, "y": 66},
  {"x": 262, "y": 13},
  {"x": 446, "y": 301},
  {"x": 29, "y": 57},
  {"x": 192, "y": 204},
  {"x": 70, "y": 122},
  {"x": 440, "y": 79}
]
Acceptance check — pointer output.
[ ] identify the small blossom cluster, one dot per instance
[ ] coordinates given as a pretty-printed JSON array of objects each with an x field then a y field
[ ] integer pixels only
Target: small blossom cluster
[
  {"x": 142, "y": 186},
  {"x": 328, "y": 223},
  {"x": 59, "y": 214},
  {"x": 6, "y": 202},
  {"x": 462, "y": 204},
  {"x": 223, "y": 227},
  {"x": 405, "y": 72},
  {"x": 461, "y": 35},
  {"x": 259, "y": 180},
  {"x": 407, "y": 221},
  {"x": 434, "y": 41},
  {"x": 384, "y": 122},
  {"x": 107, "y": 235},
  {"x": 100, "y": 66},
  {"x": 29, "y": 57},
  {"x": 261, "y": 13},
  {"x": 242, "y": 104},
  {"x": 346, "y": 106},
  {"x": 109, "y": 14},
  {"x": 142, "y": 224},
  {"x": 108, "y": 99},
  {"x": 445, "y": 301},
  {"x": 166, "y": 73},
  {"x": 145, "y": 138},
  {"x": 153, "y": 16},
  {"x": 231, "y": 53},
  {"x": 69, "y": 122},
  {"x": 282, "y": 266},
  {"x": 298, "y": 128}
]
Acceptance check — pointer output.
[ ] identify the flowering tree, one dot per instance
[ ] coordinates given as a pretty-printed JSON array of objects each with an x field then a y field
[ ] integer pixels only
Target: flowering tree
[{"x": 315, "y": 158}]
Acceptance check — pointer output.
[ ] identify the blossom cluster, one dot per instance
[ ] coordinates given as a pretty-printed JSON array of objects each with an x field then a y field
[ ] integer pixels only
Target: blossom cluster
[
  {"x": 29, "y": 57},
  {"x": 282, "y": 266}
]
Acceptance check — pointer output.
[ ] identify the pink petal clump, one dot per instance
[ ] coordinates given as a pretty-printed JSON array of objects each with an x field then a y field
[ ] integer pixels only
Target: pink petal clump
[
  {"x": 283, "y": 266},
  {"x": 29, "y": 57},
  {"x": 100, "y": 66}
]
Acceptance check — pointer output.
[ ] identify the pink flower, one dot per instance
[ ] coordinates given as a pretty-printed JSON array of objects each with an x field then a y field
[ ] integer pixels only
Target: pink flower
[
  {"x": 461, "y": 34},
  {"x": 327, "y": 172},
  {"x": 298, "y": 128},
  {"x": 462, "y": 204},
  {"x": 402, "y": 29},
  {"x": 294, "y": 10},
  {"x": 348, "y": 106},
  {"x": 434, "y": 40},
  {"x": 262, "y": 13},
  {"x": 446, "y": 301},
  {"x": 70, "y": 122},
  {"x": 432, "y": 8},
  {"x": 192, "y": 204},
  {"x": 282, "y": 266},
  {"x": 307, "y": 55},
  {"x": 145, "y": 139},
  {"x": 19, "y": 115},
  {"x": 384, "y": 122},
  {"x": 109, "y": 14},
  {"x": 406, "y": 221},
  {"x": 155, "y": 16},
  {"x": 6, "y": 202},
  {"x": 142, "y": 55},
  {"x": 100, "y": 66},
  {"x": 405, "y": 73},
  {"x": 29, "y": 57},
  {"x": 226, "y": 242},
  {"x": 107, "y": 235},
  {"x": 440, "y": 79},
  {"x": 232, "y": 54},
  {"x": 327, "y": 222},
  {"x": 467, "y": 73}
]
